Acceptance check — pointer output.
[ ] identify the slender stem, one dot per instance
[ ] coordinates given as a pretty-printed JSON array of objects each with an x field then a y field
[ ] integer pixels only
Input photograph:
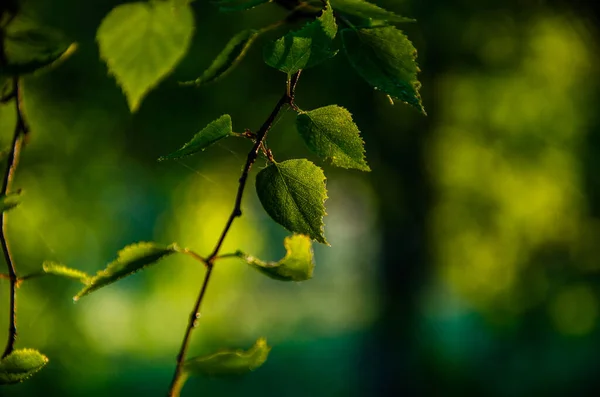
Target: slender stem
[
  {"x": 286, "y": 99},
  {"x": 9, "y": 173}
]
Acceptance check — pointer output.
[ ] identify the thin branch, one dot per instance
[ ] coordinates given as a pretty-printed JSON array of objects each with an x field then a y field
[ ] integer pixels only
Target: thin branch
[
  {"x": 9, "y": 174},
  {"x": 286, "y": 99}
]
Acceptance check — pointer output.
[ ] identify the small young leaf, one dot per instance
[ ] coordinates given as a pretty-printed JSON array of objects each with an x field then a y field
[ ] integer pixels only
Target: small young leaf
[
  {"x": 229, "y": 362},
  {"x": 212, "y": 133},
  {"x": 365, "y": 9},
  {"x": 239, "y": 5},
  {"x": 58, "y": 269},
  {"x": 9, "y": 201},
  {"x": 330, "y": 132},
  {"x": 304, "y": 48},
  {"x": 297, "y": 265},
  {"x": 29, "y": 49},
  {"x": 20, "y": 365},
  {"x": 386, "y": 59},
  {"x": 129, "y": 260},
  {"x": 142, "y": 42},
  {"x": 228, "y": 59},
  {"x": 293, "y": 193}
]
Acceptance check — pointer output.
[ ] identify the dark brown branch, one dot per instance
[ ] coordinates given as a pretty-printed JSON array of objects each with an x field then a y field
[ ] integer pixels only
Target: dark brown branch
[
  {"x": 9, "y": 173},
  {"x": 286, "y": 99}
]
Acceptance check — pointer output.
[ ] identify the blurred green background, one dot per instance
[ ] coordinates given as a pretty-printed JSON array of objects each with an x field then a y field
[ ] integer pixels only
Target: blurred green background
[{"x": 466, "y": 264}]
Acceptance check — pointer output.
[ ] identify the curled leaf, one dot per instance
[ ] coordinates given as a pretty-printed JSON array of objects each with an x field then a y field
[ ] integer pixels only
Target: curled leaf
[{"x": 60, "y": 270}]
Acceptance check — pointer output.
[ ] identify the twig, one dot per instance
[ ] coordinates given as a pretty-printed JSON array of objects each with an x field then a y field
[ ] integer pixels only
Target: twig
[{"x": 286, "y": 99}]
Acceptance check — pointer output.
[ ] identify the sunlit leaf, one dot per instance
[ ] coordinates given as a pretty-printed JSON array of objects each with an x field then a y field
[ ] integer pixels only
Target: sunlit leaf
[
  {"x": 239, "y": 5},
  {"x": 32, "y": 48},
  {"x": 293, "y": 193},
  {"x": 142, "y": 43},
  {"x": 386, "y": 59},
  {"x": 297, "y": 265},
  {"x": 330, "y": 132},
  {"x": 229, "y": 58},
  {"x": 20, "y": 365},
  {"x": 129, "y": 260},
  {"x": 365, "y": 9},
  {"x": 9, "y": 201},
  {"x": 229, "y": 362},
  {"x": 304, "y": 48},
  {"x": 212, "y": 133},
  {"x": 58, "y": 269}
]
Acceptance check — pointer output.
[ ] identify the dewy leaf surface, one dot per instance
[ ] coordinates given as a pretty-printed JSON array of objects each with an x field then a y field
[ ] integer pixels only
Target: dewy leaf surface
[
  {"x": 365, "y": 9},
  {"x": 304, "y": 48},
  {"x": 9, "y": 201},
  {"x": 297, "y": 265},
  {"x": 229, "y": 58},
  {"x": 58, "y": 269},
  {"x": 20, "y": 365},
  {"x": 212, "y": 133},
  {"x": 386, "y": 59},
  {"x": 330, "y": 132},
  {"x": 229, "y": 362},
  {"x": 142, "y": 42},
  {"x": 129, "y": 260},
  {"x": 293, "y": 193},
  {"x": 239, "y": 5}
]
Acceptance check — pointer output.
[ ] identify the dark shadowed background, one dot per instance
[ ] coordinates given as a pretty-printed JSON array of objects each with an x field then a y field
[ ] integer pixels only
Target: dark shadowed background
[{"x": 466, "y": 263}]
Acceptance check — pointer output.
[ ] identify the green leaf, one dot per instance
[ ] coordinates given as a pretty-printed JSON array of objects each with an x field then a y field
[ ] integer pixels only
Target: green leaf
[
  {"x": 212, "y": 133},
  {"x": 304, "y": 48},
  {"x": 293, "y": 193},
  {"x": 58, "y": 269},
  {"x": 20, "y": 365},
  {"x": 386, "y": 59},
  {"x": 31, "y": 48},
  {"x": 129, "y": 260},
  {"x": 297, "y": 265},
  {"x": 239, "y": 5},
  {"x": 142, "y": 43},
  {"x": 365, "y": 9},
  {"x": 229, "y": 362},
  {"x": 330, "y": 132},
  {"x": 9, "y": 201},
  {"x": 229, "y": 58}
]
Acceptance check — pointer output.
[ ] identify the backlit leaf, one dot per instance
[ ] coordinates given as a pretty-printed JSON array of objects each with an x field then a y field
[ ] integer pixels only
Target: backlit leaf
[
  {"x": 365, "y": 9},
  {"x": 330, "y": 132},
  {"x": 293, "y": 193},
  {"x": 58, "y": 269},
  {"x": 129, "y": 260},
  {"x": 142, "y": 43},
  {"x": 212, "y": 133},
  {"x": 229, "y": 58},
  {"x": 386, "y": 59},
  {"x": 297, "y": 265},
  {"x": 304, "y": 48},
  {"x": 229, "y": 362},
  {"x": 20, "y": 365}
]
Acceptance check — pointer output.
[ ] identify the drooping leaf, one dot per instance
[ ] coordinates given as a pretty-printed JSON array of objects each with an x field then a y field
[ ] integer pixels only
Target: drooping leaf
[
  {"x": 9, "y": 201},
  {"x": 364, "y": 9},
  {"x": 229, "y": 58},
  {"x": 58, "y": 269},
  {"x": 386, "y": 59},
  {"x": 212, "y": 133},
  {"x": 229, "y": 362},
  {"x": 129, "y": 260},
  {"x": 142, "y": 43},
  {"x": 239, "y": 5},
  {"x": 304, "y": 48},
  {"x": 20, "y": 365},
  {"x": 31, "y": 48},
  {"x": 293, "y": 193},
  {"x": 330, "y": 132},
  {"x": 297, "y": 265}
]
